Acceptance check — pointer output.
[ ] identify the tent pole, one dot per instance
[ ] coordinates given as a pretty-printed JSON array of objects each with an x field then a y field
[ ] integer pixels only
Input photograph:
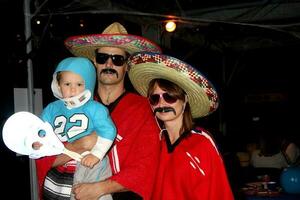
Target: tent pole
[{"x": 32, "y": 167}]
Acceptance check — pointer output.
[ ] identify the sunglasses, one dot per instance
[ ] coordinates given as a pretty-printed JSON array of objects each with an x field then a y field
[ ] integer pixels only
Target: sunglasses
[
  {"x": 117, "y": 60},
  {"x": 154, "y": 98}
]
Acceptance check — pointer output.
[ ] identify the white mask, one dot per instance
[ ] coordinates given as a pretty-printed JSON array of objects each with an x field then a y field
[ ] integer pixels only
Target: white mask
[{"x": 22, "y": 129}]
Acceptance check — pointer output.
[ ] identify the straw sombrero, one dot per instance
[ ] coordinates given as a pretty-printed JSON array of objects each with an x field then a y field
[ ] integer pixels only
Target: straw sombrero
[
  {"x": 115, "y": 35},
  {"x": 146, "y": 66}
]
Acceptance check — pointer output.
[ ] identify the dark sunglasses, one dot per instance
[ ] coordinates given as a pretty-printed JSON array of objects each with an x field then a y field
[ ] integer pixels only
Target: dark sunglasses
[
  {"x": 118, "y": 60},
  {"x": 154, "y": 98}
]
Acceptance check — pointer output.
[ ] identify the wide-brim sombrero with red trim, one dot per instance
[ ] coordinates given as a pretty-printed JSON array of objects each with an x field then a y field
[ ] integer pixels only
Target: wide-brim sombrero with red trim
[
  {"x": 115, "y": 35},
  {"x": 146, "y": 66}
]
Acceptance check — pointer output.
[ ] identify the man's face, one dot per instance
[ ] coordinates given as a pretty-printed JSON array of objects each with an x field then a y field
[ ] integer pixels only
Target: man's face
[{"x": 111, "y": 65}]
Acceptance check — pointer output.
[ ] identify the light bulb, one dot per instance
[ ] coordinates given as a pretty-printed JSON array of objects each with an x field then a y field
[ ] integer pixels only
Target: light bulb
[{"x": 170, "y": 26}]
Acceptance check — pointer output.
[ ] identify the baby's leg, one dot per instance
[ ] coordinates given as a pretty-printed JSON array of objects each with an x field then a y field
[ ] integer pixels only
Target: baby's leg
[{"x": 99, "y": 172}]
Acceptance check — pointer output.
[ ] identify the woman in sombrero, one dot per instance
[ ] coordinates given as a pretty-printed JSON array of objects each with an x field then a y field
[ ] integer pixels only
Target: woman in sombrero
[{"x": 190, "y": 165}]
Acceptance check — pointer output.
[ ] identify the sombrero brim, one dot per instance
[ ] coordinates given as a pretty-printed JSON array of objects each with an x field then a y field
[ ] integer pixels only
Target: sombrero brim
[
  {"x": 87, "y": 44},
  {"x": 144, "y": 67}
]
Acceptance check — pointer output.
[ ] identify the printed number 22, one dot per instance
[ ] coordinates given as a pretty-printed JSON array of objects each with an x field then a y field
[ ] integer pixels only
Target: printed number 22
[{"x": 80, "y": 122}]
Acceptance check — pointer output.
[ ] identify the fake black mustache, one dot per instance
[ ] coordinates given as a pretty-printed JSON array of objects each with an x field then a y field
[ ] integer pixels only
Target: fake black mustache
[
  {"x": 164, "y": 109},
  {"x": 109, "y": 71}
]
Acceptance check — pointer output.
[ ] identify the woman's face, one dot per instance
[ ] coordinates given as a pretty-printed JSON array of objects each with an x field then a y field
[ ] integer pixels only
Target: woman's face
[{"x": 167, "y": 108}]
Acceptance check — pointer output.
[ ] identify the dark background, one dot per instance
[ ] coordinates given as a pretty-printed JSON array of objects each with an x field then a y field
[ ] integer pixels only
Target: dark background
[{"x": 251, "y": 62}]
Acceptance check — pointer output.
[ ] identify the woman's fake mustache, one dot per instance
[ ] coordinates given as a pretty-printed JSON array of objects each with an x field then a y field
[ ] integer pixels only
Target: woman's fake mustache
[{"x": 164, "y": 109}]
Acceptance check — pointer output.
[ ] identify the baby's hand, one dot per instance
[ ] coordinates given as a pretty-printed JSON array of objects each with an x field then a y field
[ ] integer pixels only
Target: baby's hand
[
  {"x": 36, "y": 145},
  {"x": 89, "y": 160}
]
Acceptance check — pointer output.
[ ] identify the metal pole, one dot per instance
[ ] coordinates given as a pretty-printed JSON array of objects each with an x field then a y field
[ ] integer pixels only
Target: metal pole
[{"x": 30, "y": 94}]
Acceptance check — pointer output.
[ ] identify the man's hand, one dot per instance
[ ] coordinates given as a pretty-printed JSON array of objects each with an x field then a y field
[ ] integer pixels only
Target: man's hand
[
  {"x": 87, "y": 191},
  {"x": 91, "y": 191}
]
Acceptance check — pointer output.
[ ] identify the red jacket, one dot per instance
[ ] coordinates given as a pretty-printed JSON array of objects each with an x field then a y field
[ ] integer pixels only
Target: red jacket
[
  {"x": 193, "y": 170},
  {"x": 134, "y": 156}
]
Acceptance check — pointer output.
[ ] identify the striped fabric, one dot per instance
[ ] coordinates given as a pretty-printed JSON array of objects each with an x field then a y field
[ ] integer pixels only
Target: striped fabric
[{"x": 58, "y": 184}]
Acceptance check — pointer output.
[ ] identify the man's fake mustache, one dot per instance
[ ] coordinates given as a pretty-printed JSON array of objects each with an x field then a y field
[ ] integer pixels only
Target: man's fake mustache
[
  {"x": 164, "y": 109},
  {"x": 109, "y": 71}
]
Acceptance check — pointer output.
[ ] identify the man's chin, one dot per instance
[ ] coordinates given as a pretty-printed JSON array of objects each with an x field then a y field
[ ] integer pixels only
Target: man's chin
[
  {"x": 108, "y": 80},
  {"x": 108, "y": 75}
]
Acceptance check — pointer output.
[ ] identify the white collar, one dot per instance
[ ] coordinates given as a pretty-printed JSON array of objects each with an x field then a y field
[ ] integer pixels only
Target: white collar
[{"x": 78, "y": 100}]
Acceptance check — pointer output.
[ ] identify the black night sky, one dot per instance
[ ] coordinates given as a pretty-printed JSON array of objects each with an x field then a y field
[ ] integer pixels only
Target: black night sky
[{"x": 254, "y": 71}]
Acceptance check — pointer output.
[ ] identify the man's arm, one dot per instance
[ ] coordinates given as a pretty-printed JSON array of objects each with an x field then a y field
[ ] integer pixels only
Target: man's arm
[{"x": 85, "y": 143}]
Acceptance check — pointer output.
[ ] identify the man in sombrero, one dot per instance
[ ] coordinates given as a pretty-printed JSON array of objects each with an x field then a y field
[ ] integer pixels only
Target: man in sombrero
[
  {"x": 134, "y": 155},
  {"x": 191, "y": 166}
]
